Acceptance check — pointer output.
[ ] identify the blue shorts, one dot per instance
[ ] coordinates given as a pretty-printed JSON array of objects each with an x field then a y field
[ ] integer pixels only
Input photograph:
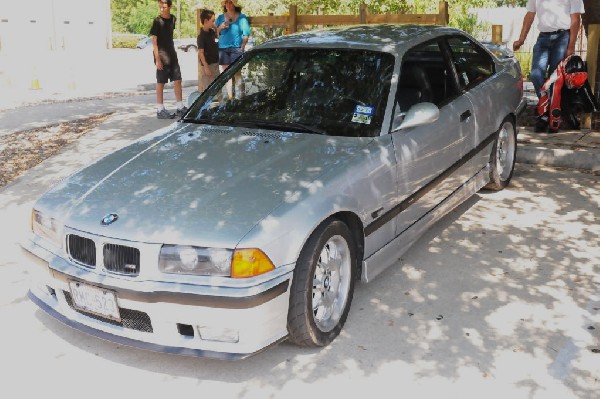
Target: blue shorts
[{"x": 228, "y": 55}]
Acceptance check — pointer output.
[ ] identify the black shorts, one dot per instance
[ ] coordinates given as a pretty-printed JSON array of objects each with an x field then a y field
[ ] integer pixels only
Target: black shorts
[{"x": 169, "y": 72}]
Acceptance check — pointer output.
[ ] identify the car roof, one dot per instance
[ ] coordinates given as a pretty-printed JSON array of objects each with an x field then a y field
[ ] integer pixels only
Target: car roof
[{"x": 395, "y": 39}]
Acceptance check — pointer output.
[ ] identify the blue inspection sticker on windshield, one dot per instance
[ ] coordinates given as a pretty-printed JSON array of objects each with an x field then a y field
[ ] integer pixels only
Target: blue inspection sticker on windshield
[{"x": 363, "y": 114}]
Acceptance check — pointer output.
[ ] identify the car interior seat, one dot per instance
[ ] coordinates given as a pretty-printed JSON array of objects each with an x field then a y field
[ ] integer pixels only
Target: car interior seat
[{"x": 414, "y": 87}]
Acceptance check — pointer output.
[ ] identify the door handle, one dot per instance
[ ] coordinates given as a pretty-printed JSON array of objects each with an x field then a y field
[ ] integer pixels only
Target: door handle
[{"x": 465, "y": 115}]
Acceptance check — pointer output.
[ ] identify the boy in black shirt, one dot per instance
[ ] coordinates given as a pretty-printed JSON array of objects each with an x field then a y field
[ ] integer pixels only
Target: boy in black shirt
[
  {"x": 208, "y": 49},
  {"x": 165, "y": 59}
]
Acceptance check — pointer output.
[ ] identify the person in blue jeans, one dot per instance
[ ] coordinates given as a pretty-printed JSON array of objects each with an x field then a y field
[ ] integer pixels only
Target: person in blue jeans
[
  {"x": 233, "y": 29},
  {"x": 558, "y": 22}
]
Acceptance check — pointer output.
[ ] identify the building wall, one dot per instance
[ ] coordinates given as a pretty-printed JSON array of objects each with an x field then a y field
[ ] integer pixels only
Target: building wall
[{"x": 55, "y": 25}]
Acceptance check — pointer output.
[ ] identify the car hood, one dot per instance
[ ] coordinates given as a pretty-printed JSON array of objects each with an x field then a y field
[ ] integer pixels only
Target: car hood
[{"x": 199, "y": 185}]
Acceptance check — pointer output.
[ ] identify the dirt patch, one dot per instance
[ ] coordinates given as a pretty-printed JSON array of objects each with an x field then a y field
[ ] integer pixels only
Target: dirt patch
[{"x": 23, "y": 150}]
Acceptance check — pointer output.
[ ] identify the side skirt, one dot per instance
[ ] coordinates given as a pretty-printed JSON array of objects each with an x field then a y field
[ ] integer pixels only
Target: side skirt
[{"x": 389, "y": 254}]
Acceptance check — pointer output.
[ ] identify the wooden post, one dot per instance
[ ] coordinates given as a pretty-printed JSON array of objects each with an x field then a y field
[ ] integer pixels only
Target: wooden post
[
  {"x": 293, "y": 19},
  {"x": 198, "y": 27},
  {"x": 363, "y": 13},
  {"x": 179, "y": 19},
  {"x": 198, "y": 22},
  {"x": 443, "y": 17},
  {"x": 592, "y": 64},
  {"x": 497, "y": 34}
]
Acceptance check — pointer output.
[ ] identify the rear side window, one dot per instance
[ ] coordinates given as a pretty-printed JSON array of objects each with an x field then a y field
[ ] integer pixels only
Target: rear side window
[{"x": 473, "y": 64}]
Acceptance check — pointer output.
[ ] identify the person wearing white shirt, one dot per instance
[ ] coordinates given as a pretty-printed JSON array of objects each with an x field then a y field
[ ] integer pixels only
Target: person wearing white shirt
[{"x": 558, "y": 22}]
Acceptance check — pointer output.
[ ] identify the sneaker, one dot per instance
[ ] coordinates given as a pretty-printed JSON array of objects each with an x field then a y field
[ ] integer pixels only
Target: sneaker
[
  {"x": 541, "y": 124},
  {"x": 164, "y": 114},
  {"x": 181, "y": 112}
]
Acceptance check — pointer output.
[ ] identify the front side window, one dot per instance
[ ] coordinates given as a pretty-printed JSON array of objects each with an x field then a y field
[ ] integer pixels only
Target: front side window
[
  {"x": 472, "y": 63},
  {"x": 324, "y": 91},
  {"x": 425, "y": 76}
]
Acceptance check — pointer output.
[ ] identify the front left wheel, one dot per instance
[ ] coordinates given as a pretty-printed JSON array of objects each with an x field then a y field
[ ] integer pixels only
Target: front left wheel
[{"x": 323, "y": 286}]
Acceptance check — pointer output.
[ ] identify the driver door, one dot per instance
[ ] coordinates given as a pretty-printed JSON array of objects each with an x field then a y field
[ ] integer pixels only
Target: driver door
[{"x": 427, "y": 155}]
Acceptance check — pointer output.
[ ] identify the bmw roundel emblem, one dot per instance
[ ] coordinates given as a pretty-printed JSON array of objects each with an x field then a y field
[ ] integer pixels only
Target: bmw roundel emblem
[{"x": 109, "y": 219}]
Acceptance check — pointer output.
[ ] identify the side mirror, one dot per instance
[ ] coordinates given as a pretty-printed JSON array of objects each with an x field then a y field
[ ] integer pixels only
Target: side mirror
[
  {"x": 193, "y": 97},
  {"x": 418, "y": 115}
]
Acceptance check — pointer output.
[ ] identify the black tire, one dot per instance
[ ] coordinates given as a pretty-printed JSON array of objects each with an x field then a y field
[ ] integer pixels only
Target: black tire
[
  {"x": 309, "y": 325},
  {"x": 503, "y": 156}
]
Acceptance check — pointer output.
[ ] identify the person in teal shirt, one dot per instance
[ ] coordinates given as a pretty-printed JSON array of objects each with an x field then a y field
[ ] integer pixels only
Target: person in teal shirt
[{"x": 233, "y": 29}]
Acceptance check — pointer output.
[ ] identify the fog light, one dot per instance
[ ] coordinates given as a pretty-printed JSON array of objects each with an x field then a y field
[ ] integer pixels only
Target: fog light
[{"x": 219, "y": 334}]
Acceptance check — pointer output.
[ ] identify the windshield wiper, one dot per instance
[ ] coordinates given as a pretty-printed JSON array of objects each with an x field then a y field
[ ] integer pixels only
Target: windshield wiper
[
  {"x": 204, "y": 121},
  {"x": 279, "y": 125}
]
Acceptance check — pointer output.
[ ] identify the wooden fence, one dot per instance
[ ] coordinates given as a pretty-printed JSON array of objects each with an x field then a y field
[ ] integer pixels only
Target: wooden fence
[{"x": 292, "y": 20}]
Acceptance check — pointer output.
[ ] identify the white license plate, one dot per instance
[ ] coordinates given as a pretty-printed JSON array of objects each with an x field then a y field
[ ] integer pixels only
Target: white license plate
[{"x": 95, "y": 300}]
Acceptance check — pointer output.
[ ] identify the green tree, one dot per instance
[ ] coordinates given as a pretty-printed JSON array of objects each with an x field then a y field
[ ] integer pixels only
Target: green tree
[
  {"x": 121, "y": 11},
  {"x": 134, "y": 16},
  {"x": 140, "y": 19}
]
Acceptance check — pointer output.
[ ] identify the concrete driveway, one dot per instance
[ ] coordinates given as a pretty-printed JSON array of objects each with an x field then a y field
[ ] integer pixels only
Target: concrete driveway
[
  {"x": 29, "y": 77},
  {"x": 501, "y": 299}
]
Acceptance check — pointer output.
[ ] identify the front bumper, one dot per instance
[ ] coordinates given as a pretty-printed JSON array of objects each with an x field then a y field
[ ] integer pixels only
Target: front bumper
[{"x": 188, "y": 319}]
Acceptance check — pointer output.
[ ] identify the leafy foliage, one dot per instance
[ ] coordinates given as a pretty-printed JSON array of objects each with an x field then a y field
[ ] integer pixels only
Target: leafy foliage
[
  {"x": 513, "y": 3},
  {"x": 135, "y": 16},
  {"x": 125, "y": 40}
]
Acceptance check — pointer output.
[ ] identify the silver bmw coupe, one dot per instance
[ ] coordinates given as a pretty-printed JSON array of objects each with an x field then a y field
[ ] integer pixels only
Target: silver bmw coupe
[{"x": 250, "y": 219}]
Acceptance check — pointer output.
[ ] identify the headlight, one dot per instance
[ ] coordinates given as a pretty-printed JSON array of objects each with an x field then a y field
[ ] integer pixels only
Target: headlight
[
  {"x": 46, "y": 227},
  {"x": 185, "y": 259}
]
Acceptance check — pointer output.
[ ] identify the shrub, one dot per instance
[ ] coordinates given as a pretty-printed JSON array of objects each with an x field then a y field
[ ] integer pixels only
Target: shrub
[
  {"x": 524, "y": 58},
  {"x": 125, "y": 40}
]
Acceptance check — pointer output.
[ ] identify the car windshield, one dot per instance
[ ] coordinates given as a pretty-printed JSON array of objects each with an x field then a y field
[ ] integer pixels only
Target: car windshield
[{"x": 323, "y": 91}]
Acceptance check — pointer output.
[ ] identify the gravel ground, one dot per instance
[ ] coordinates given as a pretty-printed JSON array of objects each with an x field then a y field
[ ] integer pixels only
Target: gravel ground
[{"x": 23, "y": 150}]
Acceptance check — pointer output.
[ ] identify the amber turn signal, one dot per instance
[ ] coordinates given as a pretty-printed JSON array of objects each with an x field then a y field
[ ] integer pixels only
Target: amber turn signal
[{"x": 249, "y": 263}]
